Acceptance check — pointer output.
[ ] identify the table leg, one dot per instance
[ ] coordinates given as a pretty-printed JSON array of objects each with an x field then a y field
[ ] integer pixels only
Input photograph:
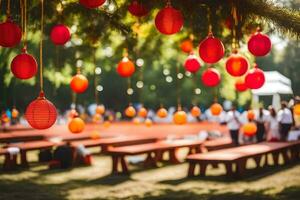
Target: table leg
[
  {"x": 150, "y": 160},
  {"x": 228, "y": 167},
  {"x": 124, "y": 165},
  {"x": 24, "y": 162},
  {"x": 285, "y": 156},
  {"x": 115, "y": 160},
  {"x": 191, "y": 170},
  {"x": 173, "y": 157},
  {"x": 240, "y": 167},
  {"x": 275, "y": 156},
  {"x": 257, "y": 160},
  {"x": 203, "y": 167}
]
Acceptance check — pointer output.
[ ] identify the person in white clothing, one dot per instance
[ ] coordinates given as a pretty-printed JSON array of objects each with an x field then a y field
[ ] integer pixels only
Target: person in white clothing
[
  {"x": 233, "y": 124},
  {"x": 285, "y": 119},
  {"x": 272, "y": 126}
]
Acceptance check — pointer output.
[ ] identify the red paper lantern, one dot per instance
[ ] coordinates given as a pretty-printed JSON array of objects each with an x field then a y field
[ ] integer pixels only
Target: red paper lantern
[
  {"x": 249, "y": 129},
  {"x": 211, "y": 77},
  {"x": 41, "y": 113},
  {"x": 192, "y": 64},
  {"x": 195, "y": 111},
  {"x": 10, "y": 34},
  {"x": 240, "y": 85},
  {"x": 137, "y": 9},
  {"x": 186, "y": 46},
  {"x": 168, "y": 20},
  {"x": 130, "y": 111},
  {"x": 236, "y": 64},
  {"x": 76, "y": 125},
  {"x": 180, "y": 117},
  {"x": 211, "y": 49},
  {"x": 24, "y": 66},
  {"x": 259, "y": 44},
  {"x": 91, "y": 3},
  {"x": 60, "y": 34},
  {"x": 216, "y": 109},
  {"x": 255, "y": 78},
  {"x": 162, "y": 113},
  {"x": 79, "y": 83},
  {"x": 125, "y": 68}
]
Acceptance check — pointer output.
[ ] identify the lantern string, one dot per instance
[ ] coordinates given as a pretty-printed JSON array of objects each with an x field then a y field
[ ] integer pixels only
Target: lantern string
[
  {"x": 168, "y": 3},
  {"x": 194, "y": 101},
  {"x": 8, "y": 9},
  {"x": 95, "y": 75},
  {"x": 209, "y": 20},
  {"x": 178, "y": 88},
  {"x": 129, "y": 87},
  {"x": 234, "y": 12},
  {"x": 41, "y": 46},
  {"x": 23, "y": 5}
]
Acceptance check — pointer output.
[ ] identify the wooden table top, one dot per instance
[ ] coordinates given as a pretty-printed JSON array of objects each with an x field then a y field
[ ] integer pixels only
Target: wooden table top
[{"x": 35, "y": 145}]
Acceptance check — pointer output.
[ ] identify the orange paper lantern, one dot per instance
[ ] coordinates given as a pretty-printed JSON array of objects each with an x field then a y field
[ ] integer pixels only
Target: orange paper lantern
[
  {"x": 95, "y": 135},
  {"x": 249, "y": 129},
  {"x": 79, "y": 83},
  {"x": 297, "y": 109},
  {"x": 106, "y": 124},
  {"x": 186, "y": 46},
  {"x": 180, "y": 117},
  {"x": 125, "y": 68},
  {"x": 162, "y": 113},
  {"x": 143, "y": 112},
  {"x": 250, "y": 115},
  {"x": 97, "y": 118},
  {"x": 76, "y": 125},
  {"x": 14, "y": 113},
  {"x": 130, "y": 111},
  {"x": 136, "y": 120},
  {"x": 216, "y": 109},
  {"x": 195, "y": 111},
  {"x": 148, "y": 122},
  {"x": 100, "y": 109}
]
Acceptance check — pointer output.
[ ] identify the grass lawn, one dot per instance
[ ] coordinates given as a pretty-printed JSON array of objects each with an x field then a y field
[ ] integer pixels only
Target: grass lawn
[{"x": 166, "y": 182}]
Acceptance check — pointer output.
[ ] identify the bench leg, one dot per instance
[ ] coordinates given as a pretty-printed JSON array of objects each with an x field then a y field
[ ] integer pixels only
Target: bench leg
[
  {"x": 240, "y": 168},
  {"x": 285, "y": 156},
  {"x": 257, "y": 160},
  {"x": 275, "y": 156},
  {"x": 124, "y": 165},
  {"x": 172, "y": 156},
  {"x": 294, "y": 153},
  {"x": 203, "y": 167},
  {"x": 159, "y": 156},
  {"x": 198, "y": 149},
  {"x": 115, "y": 161},
  {"x": 150, "y": 160},
  {"x": 191, "y": 170},
  {"x": 228, "y": 167},
  {"x": 24, "y": 162}
]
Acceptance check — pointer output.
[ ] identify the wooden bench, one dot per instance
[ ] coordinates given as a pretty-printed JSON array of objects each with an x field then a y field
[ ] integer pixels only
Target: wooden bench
[
  {"x": 154, "y": 152},
  {"x": 32, "y": 146},
  {"x": 9, "y": 161},
  {"x": 19, "y": 137},
  {"x": 238, "y": 156},
  {"x": 105, "y": 143},
  {"x": 217, "y": 144}
]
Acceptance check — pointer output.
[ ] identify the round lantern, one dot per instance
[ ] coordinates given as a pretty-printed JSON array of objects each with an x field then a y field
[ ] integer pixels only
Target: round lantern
[
  {"x": 24, "y": 66},
  {"x": 236, "y": 64},
  {"x": 73, "y": 113},
  {"x": 76, "y": 125},
  {"x": 250, "y": 115},
  {"x": 60, "y": 34},
  {"x": 186, "y": 46},
  {"x": 180, "y": 117},
  {"x": 143, "y": 112},
  {"x": 195, "y": 111},
  {"x": 148, "y": 122},
  {"x": 211, "y": 49},
  {"x": 14, "y": 113},
  {"x": 240, "y": 85},
  {"x": 97, "y": 118},
  {"x": 100, "y": 109},
  {"x": 125, "y": 68},
  {"x": 216, "y": 109},
  {"x": 137, "y": 9},
  {"x": 41, "y": 113},
  {"x": 130, "y": 111},
  {"x": 79, "y": 83},
  {"x": 106, "y": 124},
  {"x": 255, "y": 78},
  {"x": 259, "y": 44},
  {"x": 192, "y": 64},
  {"x": 95, "y": 135},
  {"x": 162, "y": 113},
  {"x": 168, "y": 20},
  {"x": 211, "y": 77},
  {"x": 10, "y": 34},
  {"x": 297, "y": 109},
  {"x": 249, "y": 129},
  {"x": 91, "y": 3},
  {"x": 136, "y": 120}
]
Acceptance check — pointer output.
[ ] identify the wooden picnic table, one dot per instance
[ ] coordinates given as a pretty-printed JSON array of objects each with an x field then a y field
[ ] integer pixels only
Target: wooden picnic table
[
  {"x": 239, "y": 155},
  {"x": 31, "y": 146},
  {"x": 19, "y": 137},
  {"x": 154, "y": 152},
  {"x": 9, "y": 161},
  {"x": 217, "y": 144}
]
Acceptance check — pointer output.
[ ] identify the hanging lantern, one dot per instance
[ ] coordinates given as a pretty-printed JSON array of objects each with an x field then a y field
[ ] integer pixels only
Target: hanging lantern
[
  {"x": 91, "y": 3},
  {"x": 24, "y": 65},
  {"x": 14, "y": 113},
  {"x": 41, "y": 113},
  {"x": 195, "y": 111},
  {"x": 180, "y": 117},
  {"x": 216, "y": 109},
  {"x": 249, "y": 129},
  {"x": 100, "y": 109},
  {"x": 192, "y": 64},
  {"x": 168, "y": 20},
  {"x": 136, "y": 120},
  {"x": 162, "y": 113},
  {"x": 60, "y": 34},
  {"x": 125, "y": 68},
  {"x": 259, "y": 44},
  {"x": 10, "y": 34},
  {"x": 236, "y": 64},
  {"x": 148, "y": 122},
  {"x": 250, "y": 115},
  {"x": 95, "y": 135},
  {"x": 255, "y": 78},
  {"x": 211, "y": 77},
  {"x": 76, "y": 125},
  {"x": 186, "y": 46},
  {"x": 137, "y": 9},
  {"x": 73, "y": 113},
  {"x": 97, "y": 118},
  {"x": 106, "y": 124},
  {"x": 240, "y": 85},
  {"x": 130, "y": 111},
  {"x": 79, "y": 83},
  {"x": 211, "y": 49},
  {"x": 143, "y": 112},
  {"x": 297, "y": 109}
]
